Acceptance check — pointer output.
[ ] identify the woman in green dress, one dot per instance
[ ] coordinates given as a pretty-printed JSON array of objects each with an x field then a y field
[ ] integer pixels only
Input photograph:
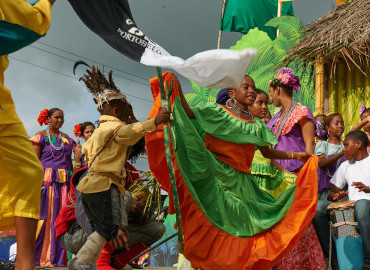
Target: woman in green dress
[{"x": 228, "y": 221}]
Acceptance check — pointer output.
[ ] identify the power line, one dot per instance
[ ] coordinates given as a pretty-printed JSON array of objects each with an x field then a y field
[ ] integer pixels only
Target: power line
[
  {"x": 48, "y": 69},
  {"x": 65, "y": 75},
  {"x": 72, "y": 60},
  {"x": 65, "y": 51}
]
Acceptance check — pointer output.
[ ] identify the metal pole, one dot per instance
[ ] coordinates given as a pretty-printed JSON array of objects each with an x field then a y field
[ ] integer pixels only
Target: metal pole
[
  {"x": 222, "y": 21},
  {"x": 280, "y": 8},
  {"x": 153, "y": 247},
  {"x": 166, "y": 103}
]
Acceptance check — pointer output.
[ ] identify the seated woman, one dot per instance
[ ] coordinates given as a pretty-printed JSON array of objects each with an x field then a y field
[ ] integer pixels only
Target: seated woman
[{"x": 228, "y": 221}]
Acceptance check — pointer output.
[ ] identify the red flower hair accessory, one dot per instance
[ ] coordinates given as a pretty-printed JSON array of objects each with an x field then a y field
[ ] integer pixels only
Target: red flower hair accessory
[
  {"x": 43, "y": 117},
  {"x": 77, "y": 130}
]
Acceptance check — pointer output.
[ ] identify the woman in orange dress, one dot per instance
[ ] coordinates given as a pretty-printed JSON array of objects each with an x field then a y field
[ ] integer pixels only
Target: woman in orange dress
[{"x": 228, "y": 221}]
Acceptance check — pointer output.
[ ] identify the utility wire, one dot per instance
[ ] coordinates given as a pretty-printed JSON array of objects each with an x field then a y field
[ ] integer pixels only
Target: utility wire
[
  {"x": 73, "y": 61},
  {"x": 65, "y": 75},
  {"x": 48, "y": 69},
  {"x": 65, "y": 51}
]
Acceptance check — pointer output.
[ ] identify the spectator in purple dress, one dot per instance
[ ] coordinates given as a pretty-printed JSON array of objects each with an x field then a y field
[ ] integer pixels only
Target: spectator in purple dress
[{"x": 54, "y": 150}]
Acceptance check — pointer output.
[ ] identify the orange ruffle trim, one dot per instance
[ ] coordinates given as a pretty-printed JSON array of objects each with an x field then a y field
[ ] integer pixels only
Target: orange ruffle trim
[{"x": 208, "y": 247}]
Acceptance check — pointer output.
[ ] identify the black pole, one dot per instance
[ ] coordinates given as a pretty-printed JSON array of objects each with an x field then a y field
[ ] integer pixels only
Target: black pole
[{"x": 153, "y": 247}]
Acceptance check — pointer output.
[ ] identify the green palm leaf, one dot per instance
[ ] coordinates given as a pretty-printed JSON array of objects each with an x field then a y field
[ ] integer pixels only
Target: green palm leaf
[
  {"x": 290, "y": 27},
  {"x": 194, "y": 99}
]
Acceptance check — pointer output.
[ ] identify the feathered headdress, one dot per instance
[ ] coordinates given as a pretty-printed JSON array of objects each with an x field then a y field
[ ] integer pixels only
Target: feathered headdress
[{"x": 103, "y": 89}]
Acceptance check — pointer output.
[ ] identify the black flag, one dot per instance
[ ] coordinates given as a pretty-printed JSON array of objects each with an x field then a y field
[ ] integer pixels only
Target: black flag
[{"x": 112, "y": 21}]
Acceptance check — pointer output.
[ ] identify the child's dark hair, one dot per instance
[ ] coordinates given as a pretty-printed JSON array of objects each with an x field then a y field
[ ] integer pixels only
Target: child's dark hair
[
  {"x": 328, "y": 119},
  {"x": 52, "y": 111},
  {"x": 85, "y": 125},
  {"x": 138, "y": 149},
  {"x": 323, "y": 115},
  {"x": 367, "y": 110},
  {"x": 259, "y": 91},
  {"x": 246, "y": 75},
  {"x": 358, "y": 135}
]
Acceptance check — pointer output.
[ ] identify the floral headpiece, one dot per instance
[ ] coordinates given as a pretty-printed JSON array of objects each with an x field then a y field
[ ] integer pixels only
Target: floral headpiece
[
  {"x": 362, "y": 108},
  {"x": 320, "y": 130},
  {"x": 286, "y": 77},
  {"x": 43, "y": 117},
  {"x": 77, "y": 130}
]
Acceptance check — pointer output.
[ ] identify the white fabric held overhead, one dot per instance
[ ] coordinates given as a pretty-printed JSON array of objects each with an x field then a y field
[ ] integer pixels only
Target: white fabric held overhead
[
  {"x": 213, "y": 68},
  {"x": 112, "y": 20}
]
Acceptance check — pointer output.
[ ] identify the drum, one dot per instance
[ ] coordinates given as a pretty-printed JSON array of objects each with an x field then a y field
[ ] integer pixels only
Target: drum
[{"x": 344, "y": 230}]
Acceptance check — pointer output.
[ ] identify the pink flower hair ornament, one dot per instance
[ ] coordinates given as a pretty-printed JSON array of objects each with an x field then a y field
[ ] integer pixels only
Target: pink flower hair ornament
[
  {"x": 362, "y": 108},
  {"x": 286, "y": 77}
]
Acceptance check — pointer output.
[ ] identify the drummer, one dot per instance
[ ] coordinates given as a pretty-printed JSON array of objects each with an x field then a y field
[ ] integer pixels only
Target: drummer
[{"x": 355, "y": 173}]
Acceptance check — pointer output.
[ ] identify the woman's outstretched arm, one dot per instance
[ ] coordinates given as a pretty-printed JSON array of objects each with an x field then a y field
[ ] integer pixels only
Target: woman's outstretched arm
[
  {"x": 184, "y": 103},
  {"x": 267, "y": 152}
]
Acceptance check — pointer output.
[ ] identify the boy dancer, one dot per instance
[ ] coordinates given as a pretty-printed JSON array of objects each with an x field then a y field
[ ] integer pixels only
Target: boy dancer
[
  {"x": 355, "y": 173},
  {"x": 102, "y": 189}
]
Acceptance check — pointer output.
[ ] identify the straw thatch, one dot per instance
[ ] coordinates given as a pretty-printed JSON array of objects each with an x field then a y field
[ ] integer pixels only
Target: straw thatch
[{"x": 344, "y": 33}]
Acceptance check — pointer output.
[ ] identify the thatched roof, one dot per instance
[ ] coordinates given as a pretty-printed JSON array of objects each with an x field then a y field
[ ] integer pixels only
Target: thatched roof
[{"x": 343, "y": 33}]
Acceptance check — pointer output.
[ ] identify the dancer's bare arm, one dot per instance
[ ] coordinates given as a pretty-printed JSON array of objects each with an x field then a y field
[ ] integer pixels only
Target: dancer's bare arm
[{"x": 184, "y": 103}]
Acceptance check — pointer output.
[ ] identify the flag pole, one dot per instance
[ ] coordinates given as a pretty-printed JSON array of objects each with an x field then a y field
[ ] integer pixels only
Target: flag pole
[
  {"x": 222, "y": 21},
  {"x": 280, "y": 8},
  {"x": 166, "y": 104}
]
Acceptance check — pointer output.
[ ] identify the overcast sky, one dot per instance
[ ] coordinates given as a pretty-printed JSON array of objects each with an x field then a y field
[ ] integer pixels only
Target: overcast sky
[{"x": 40, "y": 76}]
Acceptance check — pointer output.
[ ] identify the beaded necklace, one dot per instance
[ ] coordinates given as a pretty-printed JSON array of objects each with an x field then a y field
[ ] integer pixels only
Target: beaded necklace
[
  {"x": 240, "y": 109},
  {"x": 57, "y": 148},
  {"x": 279, "y": 129},
  {"x": 326, "y": 156}
]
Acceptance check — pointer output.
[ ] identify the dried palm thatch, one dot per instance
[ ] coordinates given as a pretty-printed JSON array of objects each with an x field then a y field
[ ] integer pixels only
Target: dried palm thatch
[{"x": 344, "y": 33}]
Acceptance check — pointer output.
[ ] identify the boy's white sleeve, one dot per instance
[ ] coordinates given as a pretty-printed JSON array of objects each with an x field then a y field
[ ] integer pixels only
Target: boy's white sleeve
[{"x": 339, "y": 179}]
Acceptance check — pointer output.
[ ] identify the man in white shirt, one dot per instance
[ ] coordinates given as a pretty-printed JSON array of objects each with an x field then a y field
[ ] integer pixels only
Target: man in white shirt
[{"x": 355, "y": 172}]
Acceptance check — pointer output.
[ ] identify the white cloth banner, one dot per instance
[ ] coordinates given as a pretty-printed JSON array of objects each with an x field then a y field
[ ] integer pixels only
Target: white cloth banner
[
  {"x": 213, "y": 69},
  {"x": 112, "y": 20}
]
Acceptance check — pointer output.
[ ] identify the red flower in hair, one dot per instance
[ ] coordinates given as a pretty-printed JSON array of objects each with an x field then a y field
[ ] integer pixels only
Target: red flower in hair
[
  {"x": 43, "y": 117},
  {"x": 77, "y": 130}
]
